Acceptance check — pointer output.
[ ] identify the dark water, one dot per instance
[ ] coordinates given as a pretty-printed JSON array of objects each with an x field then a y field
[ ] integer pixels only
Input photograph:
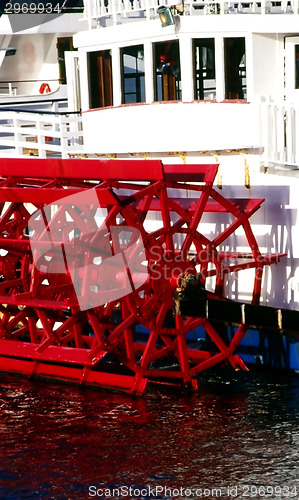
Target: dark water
[{"x": 237, "y": 437}]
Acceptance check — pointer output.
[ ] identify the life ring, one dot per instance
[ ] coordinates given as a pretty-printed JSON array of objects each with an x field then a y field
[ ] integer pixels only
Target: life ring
[{"x": 44, "y": 88}]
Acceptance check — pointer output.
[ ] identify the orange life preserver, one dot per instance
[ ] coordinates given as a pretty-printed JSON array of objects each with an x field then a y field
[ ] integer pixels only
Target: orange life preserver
[{"x": 44, "y": 88}]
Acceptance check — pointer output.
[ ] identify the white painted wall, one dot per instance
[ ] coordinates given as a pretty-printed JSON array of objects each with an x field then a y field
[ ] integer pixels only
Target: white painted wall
[
  {"x": 275, "y": 226},
  {"x": 163, "y": 127}
]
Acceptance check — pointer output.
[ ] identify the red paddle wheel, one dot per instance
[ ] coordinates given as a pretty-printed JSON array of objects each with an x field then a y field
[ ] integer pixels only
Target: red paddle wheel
[{"x": 92, "y": 252}]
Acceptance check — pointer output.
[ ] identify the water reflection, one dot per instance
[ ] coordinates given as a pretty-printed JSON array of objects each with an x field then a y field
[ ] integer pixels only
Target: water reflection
[{"x": 237, "y": 429}]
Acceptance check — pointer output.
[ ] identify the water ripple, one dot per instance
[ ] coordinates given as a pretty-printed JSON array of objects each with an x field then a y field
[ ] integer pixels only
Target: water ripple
[{"x": 237, "y": 429}]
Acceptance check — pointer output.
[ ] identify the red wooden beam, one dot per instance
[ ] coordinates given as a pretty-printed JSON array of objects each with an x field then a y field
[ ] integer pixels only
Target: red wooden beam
[{"x": 143, "y": 170}]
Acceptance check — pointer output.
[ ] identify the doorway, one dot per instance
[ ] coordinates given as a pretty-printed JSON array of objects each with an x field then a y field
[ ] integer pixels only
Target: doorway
[{"x": 64, "y": 44}]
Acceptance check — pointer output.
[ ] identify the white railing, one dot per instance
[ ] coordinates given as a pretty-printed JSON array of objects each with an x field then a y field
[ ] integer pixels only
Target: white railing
[
  {"x": 280, "y": 134},
  {"x": 117, "y": 10},
  {"x": 61, "y": 135},
  {"x": 7, "y": 88},
  {"x": 40, "y": 134}
]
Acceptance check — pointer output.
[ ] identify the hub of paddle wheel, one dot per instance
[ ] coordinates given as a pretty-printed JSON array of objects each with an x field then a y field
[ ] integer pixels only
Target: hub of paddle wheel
[{"x": 92, "y": 254}]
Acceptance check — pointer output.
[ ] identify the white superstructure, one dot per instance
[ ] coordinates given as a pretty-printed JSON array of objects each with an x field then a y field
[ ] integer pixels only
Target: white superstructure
[{"x": 240, "y": 57}]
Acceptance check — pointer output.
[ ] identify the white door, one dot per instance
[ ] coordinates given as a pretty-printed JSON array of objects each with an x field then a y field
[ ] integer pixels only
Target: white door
[
  {"x": 72, "y": 66},
  {"x": 73, "y": 80}
]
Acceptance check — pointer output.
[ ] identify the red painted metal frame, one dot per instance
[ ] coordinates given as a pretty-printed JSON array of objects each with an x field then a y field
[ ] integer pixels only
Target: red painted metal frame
[{"x": 126, "y": 342}]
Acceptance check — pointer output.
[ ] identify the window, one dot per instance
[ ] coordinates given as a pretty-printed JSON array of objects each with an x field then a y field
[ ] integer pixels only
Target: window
[
  {"x": 204, "y": 67},
  {"x": 296, "y": 66},
  {"x": 167, "y": 71},
  {"x": 100, "y": 79},
  {"x": 235, "y": 68},
  {"x": 133, "y": 85}
]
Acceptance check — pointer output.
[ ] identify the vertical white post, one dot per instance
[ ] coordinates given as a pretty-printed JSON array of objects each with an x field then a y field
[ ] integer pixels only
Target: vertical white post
[
  {"x": 272, "y": 132},
  {"x": 73, "y": 81},
  {"x": 187, "y": 74},
  {"x": 149, "y": 72},
  {"x": 117, "y": 93},
  {"x": 290, "y": 134},
  {"x": 83, "y": 80},
  {"x": 250, "y": 70},
  {"x": 87, "y": 13},
  {"x": 296, "y": 135},
  {"x": 262, "y": 132},
  {"x": 63, "y": 138},
  {"x": 223, "y": 7},
  {"x": 113, "y": 9},
  {"x": 148, "y": 7},
  {"x": 41, "y": 146},
  {"x": 280, "y": 124},
  {"x": 219, "y": 68},
  {"x": 265, "y": 6},
  {"x": 17, "y": 135},
  {"x": 268, "y": 138}
]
